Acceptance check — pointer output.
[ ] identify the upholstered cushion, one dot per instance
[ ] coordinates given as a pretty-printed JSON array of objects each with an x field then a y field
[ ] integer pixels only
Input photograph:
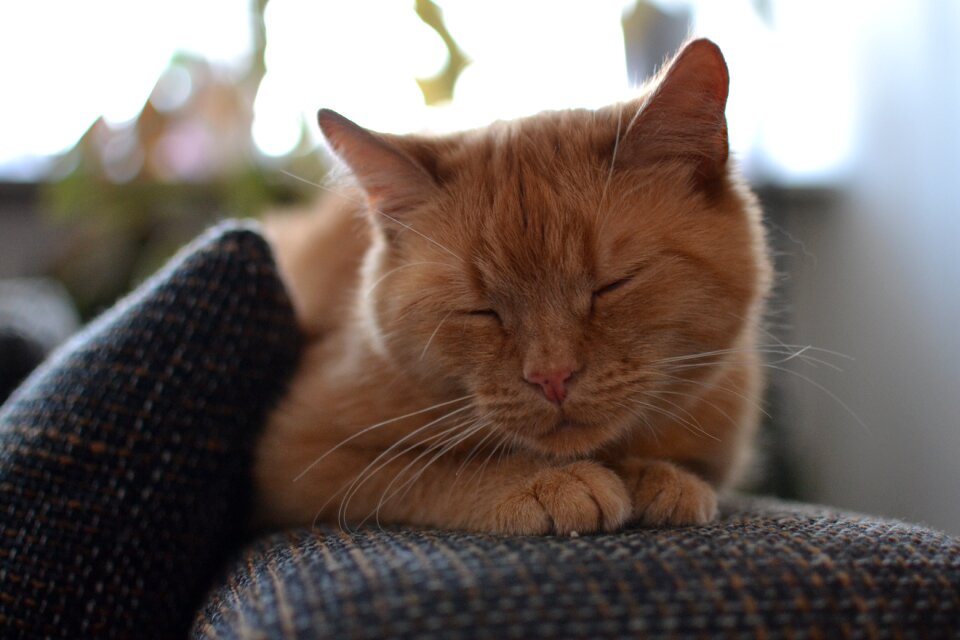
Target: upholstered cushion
[
  {"x": 766, "y": 569},
  {"x": 124, "y": 460}
]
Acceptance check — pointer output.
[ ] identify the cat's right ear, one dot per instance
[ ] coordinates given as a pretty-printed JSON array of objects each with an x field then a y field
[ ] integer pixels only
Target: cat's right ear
[
  {"x": 682, "y": 118},
  {"x": 393, "y": 181}
]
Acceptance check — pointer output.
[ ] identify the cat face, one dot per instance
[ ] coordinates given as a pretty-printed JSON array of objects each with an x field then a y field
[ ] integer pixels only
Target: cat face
[{"x": 554, "y": 267}]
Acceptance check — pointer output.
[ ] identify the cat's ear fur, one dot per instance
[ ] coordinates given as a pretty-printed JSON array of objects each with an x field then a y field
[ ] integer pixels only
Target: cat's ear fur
[
  {"x": 682, "y": 118},
  {"x": 393, "y": 181}
]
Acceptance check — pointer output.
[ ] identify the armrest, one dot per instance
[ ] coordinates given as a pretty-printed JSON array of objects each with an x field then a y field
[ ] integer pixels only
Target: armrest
[{"x": 124, "y": 459}]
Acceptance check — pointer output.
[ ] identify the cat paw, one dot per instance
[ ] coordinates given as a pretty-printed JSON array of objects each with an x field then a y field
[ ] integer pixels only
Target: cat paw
[
  {"x": 580, "y": 497},
  {"x": 664, "y": 495}
]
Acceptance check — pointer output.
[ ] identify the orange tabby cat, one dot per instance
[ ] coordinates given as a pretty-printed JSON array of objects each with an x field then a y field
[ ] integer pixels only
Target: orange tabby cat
[{"x": 543, "y": 326}]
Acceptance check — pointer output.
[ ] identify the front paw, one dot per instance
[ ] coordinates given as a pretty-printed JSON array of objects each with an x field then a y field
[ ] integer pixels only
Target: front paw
[
  {"x": 664, "y": 495},
  {"x": 580, "y": 497}
]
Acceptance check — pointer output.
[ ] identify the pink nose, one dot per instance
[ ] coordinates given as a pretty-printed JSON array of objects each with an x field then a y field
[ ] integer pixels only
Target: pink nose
[{"x": 553, "y": 383}]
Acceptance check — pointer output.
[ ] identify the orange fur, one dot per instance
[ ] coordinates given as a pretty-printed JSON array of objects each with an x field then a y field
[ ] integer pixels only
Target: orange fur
[{"x": 618, "y": 243}]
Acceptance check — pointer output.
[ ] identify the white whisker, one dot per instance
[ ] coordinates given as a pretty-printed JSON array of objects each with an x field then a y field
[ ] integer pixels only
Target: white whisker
[
  {"x": 714, "y": 385},
  {"x": 445, "y": 447},
  {"x": 377, "y": 426},
  {"x": 789, "y": 351},
  {"x": 373, "y": 467},
  {"x": 644, "y": 418},
  {"x": 366, "y": 473},
  {"x": 478, "y": 473},
  {"x": 433, "y": 335},
  {"x": 773, "y": 366},
  {"x": 822, "y": 388},
  {"x": 442, "y": 440},
  {"x": 473, "y": 452},
  {"x": 409, "y": 228},
  {"x": 698, "y": 399},
  {"x": 694, "y": 429}
]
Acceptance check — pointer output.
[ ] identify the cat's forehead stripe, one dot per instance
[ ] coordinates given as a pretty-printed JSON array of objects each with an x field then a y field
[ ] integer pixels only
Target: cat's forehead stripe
[{"x": 534, "y": 235}]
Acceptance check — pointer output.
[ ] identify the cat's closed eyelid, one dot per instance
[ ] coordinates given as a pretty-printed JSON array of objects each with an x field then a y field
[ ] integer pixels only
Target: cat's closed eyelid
[
  {"x": 635, "y": 270},
  {"x": 612, "y": 286},
  {"x": 483, "y": 313}
]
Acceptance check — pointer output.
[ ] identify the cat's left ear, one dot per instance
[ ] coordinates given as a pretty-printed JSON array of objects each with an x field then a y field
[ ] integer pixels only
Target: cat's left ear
[
  {"x": 393, "y": 181},
  {"x": 682, "y": 118}
]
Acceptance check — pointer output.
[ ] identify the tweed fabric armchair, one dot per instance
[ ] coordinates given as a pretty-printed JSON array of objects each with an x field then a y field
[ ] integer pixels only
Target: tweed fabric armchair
[{"x": 125, "y": 489}]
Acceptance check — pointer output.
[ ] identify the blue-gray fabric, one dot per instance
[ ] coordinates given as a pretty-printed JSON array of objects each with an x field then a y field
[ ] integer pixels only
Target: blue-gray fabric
[
  {"x": 124, "y": 461},
  {"x": 766, "y": 569}
]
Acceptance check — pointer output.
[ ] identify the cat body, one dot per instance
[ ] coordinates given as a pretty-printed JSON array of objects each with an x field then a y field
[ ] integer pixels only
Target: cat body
[{"x": 544, "y": 326}]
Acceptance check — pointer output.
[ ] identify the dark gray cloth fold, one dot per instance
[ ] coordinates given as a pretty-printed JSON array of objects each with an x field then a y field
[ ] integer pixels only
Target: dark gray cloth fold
[
  {"x": 766, "y": 569},
  {"x": 124, "y": 460}
]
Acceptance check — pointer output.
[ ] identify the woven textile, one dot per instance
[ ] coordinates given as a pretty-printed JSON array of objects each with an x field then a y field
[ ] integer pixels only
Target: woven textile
[
  {"x": 765, "y": 570},
  {"x": 124, "y": 461}
]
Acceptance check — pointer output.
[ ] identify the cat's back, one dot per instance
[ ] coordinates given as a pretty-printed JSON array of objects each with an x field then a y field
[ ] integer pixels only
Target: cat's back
[{"x": 319, "y": 250}]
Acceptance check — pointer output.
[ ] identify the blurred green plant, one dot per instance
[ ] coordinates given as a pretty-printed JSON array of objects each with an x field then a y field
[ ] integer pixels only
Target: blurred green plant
[{"x": 135, "y": 192}]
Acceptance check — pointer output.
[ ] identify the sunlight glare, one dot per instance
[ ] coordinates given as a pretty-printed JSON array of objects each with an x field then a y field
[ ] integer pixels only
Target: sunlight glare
[
  {"x": 69, "y": 63},
  {"x": 362, "y": 59}
]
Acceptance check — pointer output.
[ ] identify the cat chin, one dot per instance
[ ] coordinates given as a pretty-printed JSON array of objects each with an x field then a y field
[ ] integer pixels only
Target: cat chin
[
  {"x": 576, "y": 431},
  {"x": 570, "y": 438}
]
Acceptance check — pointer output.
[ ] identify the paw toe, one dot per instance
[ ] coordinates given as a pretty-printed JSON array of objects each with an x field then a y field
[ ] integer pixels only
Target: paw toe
[
  {"x": 582, "y": 497},
  {"x": 668, "y": 496}
]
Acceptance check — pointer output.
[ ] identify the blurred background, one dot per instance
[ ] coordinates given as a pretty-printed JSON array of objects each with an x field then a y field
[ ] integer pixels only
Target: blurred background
[{"x": 126, "y": 128}]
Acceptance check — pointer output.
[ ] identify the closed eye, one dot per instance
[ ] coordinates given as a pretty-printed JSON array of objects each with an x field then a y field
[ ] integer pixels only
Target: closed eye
[
  {"x": 489, "y": 313},
  {"x": 609, "y": 288}
]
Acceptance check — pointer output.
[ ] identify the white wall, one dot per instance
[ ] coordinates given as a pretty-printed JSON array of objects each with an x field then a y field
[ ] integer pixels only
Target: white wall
[{"x": 883, "y": 284}]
